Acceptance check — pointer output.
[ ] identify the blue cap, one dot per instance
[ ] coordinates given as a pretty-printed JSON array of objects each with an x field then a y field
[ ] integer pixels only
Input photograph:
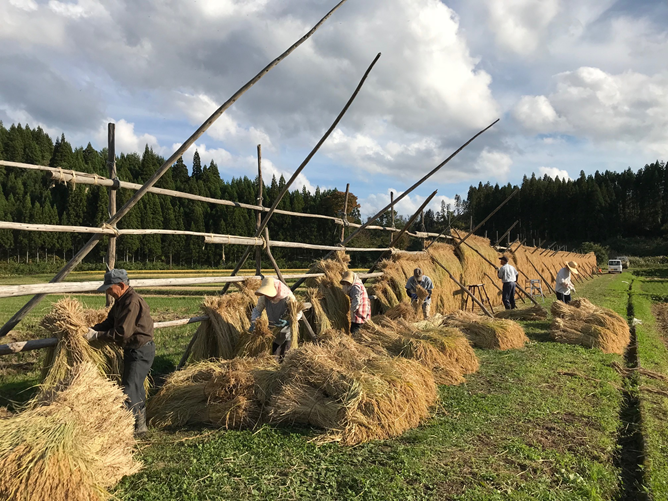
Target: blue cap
[{"x": 115, "y": 276}]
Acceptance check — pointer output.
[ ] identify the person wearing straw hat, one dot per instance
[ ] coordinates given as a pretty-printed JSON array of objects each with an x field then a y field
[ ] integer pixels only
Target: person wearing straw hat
[
  {"x": 273, "y": 297},
  {"x": 130, "y": 326},
  {"x": 360, "y": 307},
  {"x": 508, "y": 275},
  {"x": 564, "y": 286},
  {"x": 419, "y": 279}
]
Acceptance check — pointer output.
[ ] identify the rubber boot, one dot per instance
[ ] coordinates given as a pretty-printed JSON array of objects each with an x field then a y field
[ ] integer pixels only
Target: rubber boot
[{"x": 140, "y": 423}]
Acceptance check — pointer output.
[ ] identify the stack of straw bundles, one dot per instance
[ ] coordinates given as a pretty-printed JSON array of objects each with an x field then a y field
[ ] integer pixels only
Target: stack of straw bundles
[
  {"x": 224, "y": 393},
  {"x": 330, "y": 305},
  {"x": 351, "y": 392},
  {"x": 484, "y": 332},
  {"x": 531, "y": 313},
  {"x": 586, "y": 324},
  {"x": 443, "y": 350},
  {"x": 72, "y": 443}
]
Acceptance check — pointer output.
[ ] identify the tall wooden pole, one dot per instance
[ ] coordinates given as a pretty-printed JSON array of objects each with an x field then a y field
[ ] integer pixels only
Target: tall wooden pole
[
  {"x": 392, "y": 214},
  {"x": 111, "y": 164},
  {"x": 258, "y": 251},
  {"x": 345, "y": 212},
  {"x": 90, "y": 245}
]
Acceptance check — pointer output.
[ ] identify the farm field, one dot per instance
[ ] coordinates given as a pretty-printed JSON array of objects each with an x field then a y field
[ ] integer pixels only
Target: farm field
[{"x": 543, "y": 422}]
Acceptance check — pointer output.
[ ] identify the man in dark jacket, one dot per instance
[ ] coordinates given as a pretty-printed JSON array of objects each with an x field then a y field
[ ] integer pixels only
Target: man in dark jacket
[{"x": 130, "y": 326}]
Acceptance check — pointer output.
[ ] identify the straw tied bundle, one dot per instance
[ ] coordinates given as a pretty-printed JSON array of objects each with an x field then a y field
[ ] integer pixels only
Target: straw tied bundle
[
  {"x": 484, "y": 332},
  {"x": 581, "y": 322},
  {"x": 443, "y": 350},
  {"x": 339, "y": 385},
  {"x": 330, "y": 305},
  {"x": 72, "y": 443}
]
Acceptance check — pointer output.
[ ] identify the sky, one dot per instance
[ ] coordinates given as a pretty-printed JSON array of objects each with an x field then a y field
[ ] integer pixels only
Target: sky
[{"x": 577, "y": 86}]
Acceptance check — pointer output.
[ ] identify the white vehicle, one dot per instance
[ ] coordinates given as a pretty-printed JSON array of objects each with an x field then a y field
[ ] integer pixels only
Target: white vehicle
[{"x": 614, "y": 266}]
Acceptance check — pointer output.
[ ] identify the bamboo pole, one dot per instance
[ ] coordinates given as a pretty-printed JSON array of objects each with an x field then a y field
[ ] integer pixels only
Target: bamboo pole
[
  {"x": 549, "y": 285},
  {"x": 405, "y": 193},
  {"x": 83, "y": 252},
  {"x": 392, "y": 212},
  {"x": 315, "y": 149},
  {"x": 258, "y": 251},
  {"x": 299, "y": 245},
  {"x": 507, "y": 232},
  {"x": 540, "y": 242},
  {"x": 111, "y": 163},
  {"x": 463, "y": 287},
  {"x": 406, "y": 226},
  {"x": 488, "y": 217},
  {"x": 345, "y": 212}
]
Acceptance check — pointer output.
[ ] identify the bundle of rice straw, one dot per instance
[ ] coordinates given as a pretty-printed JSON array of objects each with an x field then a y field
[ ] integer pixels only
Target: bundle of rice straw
[
  {"x": 222, "y": 393},
  {"x": 531, "y": 313},
  {"x": 584, "y": 323},
  {"x": 229, "y": 317},
  {"x": 351, "y": 392},
  {"x": 488, "y": 333},
  {"x": 68, "y": 321},
  {"x": 330, "y": 299},
  {"x": 401, "y": 310},
  {"x": 319, "y": 320},
  {"x": 443, "y": 350},
  {"x": 72, "y": 444},
  {"x": 258, "y": 342},
  {"x": 390, "y": 289}
]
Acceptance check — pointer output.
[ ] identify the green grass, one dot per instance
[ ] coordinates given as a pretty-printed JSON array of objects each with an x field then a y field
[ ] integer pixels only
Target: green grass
[{"x": 517, "y": 429}]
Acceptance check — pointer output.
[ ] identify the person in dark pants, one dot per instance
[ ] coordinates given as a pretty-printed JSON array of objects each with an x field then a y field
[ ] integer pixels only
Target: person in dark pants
[
  {"x": 508, "y": 275},
  {"x": 129, "y": 325}
]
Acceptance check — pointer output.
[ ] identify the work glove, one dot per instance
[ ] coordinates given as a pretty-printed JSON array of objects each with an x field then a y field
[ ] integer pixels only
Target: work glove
[
  {"x": 414, "y": 297},
  {"x": 281, "y": 323},
  {"x": 91, "y": 334}
]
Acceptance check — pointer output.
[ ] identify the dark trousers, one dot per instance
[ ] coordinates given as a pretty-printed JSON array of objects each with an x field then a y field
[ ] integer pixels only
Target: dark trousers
[
  {"x": 508, "y": 295},
  {"x": 354, "y": 327},
  {"x": 136, "y": 364},
  {"x": 566, "y": 298}
]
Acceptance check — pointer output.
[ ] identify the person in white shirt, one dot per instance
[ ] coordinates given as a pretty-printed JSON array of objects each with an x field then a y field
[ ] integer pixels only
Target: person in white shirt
[
  {"x": 508, "y": 275},
  {"x": 563, "y": 285}
]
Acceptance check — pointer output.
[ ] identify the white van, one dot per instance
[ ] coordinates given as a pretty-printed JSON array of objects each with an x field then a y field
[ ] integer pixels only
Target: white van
[{"x": 614, "y": 266}]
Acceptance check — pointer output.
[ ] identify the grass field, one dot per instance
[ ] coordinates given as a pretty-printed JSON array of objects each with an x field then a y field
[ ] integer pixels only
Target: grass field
[{"x": 538, "y": 423}]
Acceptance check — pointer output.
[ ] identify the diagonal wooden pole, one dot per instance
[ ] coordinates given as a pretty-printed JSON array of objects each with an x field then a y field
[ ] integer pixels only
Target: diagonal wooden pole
[
  {"x": 507, "y": 232},
  {"x": 280, "y": 196},
  {"x": 11, "y": 323},
  {"x": 404, "y": 194},
  {"x": 517, "y": 190},
  {"x": 345, "y": 212},
  {"x": 258, "y": 251},
  {"x": 395, "y": 240}
]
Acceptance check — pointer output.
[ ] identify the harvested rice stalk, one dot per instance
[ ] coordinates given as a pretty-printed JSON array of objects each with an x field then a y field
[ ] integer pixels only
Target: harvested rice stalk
[
  {"x": 531, "y": 313},
  {"x": 484, "y": 332},
  {"x": 351, "y": 392},
  {"x": 223, "y": 393},
  {"x": 72, "y": 444},
  {"x": 402, "y": 310},
  {"x": 584, "y": 323},
  {"x": 335, "y": 303},
  {"x": 293, "y": 311},
  {"x": 318, "y": 316},
  {"x": 258, "y": 342}
]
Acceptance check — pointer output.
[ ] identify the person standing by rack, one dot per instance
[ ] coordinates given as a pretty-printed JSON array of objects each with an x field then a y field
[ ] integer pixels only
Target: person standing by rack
[{"x": 508, "y": 275}]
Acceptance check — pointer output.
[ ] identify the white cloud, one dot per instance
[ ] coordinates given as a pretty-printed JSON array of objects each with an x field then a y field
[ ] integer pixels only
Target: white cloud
[
  {"x": 370, "y": 205},
  {"x": 537, "y": 114},
  {"x": 553, "y": 172},
  {"x": 494, "y": 164}
]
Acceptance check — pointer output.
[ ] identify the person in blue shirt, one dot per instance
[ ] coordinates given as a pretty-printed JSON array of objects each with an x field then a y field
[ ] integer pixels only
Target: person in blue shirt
[{"x": 423, "y": 281}]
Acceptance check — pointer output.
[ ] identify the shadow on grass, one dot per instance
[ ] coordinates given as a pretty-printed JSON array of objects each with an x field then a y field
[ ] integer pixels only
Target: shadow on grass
[
  {"x": 538, "y": 331},
  {"x": 15, "y": 393}
]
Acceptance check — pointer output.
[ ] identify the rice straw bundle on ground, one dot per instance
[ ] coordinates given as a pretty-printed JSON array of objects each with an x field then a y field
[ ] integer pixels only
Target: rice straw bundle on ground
[
  {"x": 443, "y": 350},
  {"x": 351, "y": 392},
  {"x": 222, "y": 393},
  {"x": 530, "y": 313},
  {"x": 588, "y": 325},
  {"x": 73, "y": 444},
  {"x": 446, "y": 296},
  {"x": 331, "y": 299},
  {"x": 402, "y": 310},
  {"x": 258, "y": 342},
  {"x": 229, "y": 317},
  {"x": 475, "y": 269},
  {"x": 488, "y": 333}
]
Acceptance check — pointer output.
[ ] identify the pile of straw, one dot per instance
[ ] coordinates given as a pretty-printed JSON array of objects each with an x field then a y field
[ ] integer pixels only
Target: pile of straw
[
  {"x": 588, "y": 325},
  {"x": 72, "y": 444},
  {"x": 330, "y": 305},
  {"x": 530, "y": 313},
  {"x": 446, "y": 296},
  {"x": 443, "y": 350},
  {"x": 353, "y": 393},
  {"x": 258, "y": 342},
  {"x": 488, "y": 333},
  {"x": 68, "y": 321},
  {"x": 229, "y": 318},
  {"x": 223, "y": 393}
]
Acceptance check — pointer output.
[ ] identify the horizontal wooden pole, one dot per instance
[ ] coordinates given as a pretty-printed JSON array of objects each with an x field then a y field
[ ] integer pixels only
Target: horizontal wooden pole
[
  {"x": 76, "y": 287},
  {"x": 298, "y": 245},
  {"x": 71, "y": 176}
]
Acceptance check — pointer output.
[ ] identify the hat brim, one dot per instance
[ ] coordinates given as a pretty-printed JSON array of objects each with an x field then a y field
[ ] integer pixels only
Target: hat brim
[
  {"x": 573, "y": 270},
  {"x": 104, "y": 287},
  {"x": 266, "y": 291}
]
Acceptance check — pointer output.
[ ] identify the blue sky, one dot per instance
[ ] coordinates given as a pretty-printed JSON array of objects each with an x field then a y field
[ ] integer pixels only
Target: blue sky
[{"x": 577, "y": 85}]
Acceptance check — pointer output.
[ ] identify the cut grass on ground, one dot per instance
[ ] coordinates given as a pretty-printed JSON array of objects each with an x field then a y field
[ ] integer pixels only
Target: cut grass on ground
[{"x": 537, "y": 423}]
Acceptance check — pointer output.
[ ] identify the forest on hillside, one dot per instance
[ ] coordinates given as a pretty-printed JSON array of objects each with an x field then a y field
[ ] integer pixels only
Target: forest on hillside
[{"x": 597, "y": 208}]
